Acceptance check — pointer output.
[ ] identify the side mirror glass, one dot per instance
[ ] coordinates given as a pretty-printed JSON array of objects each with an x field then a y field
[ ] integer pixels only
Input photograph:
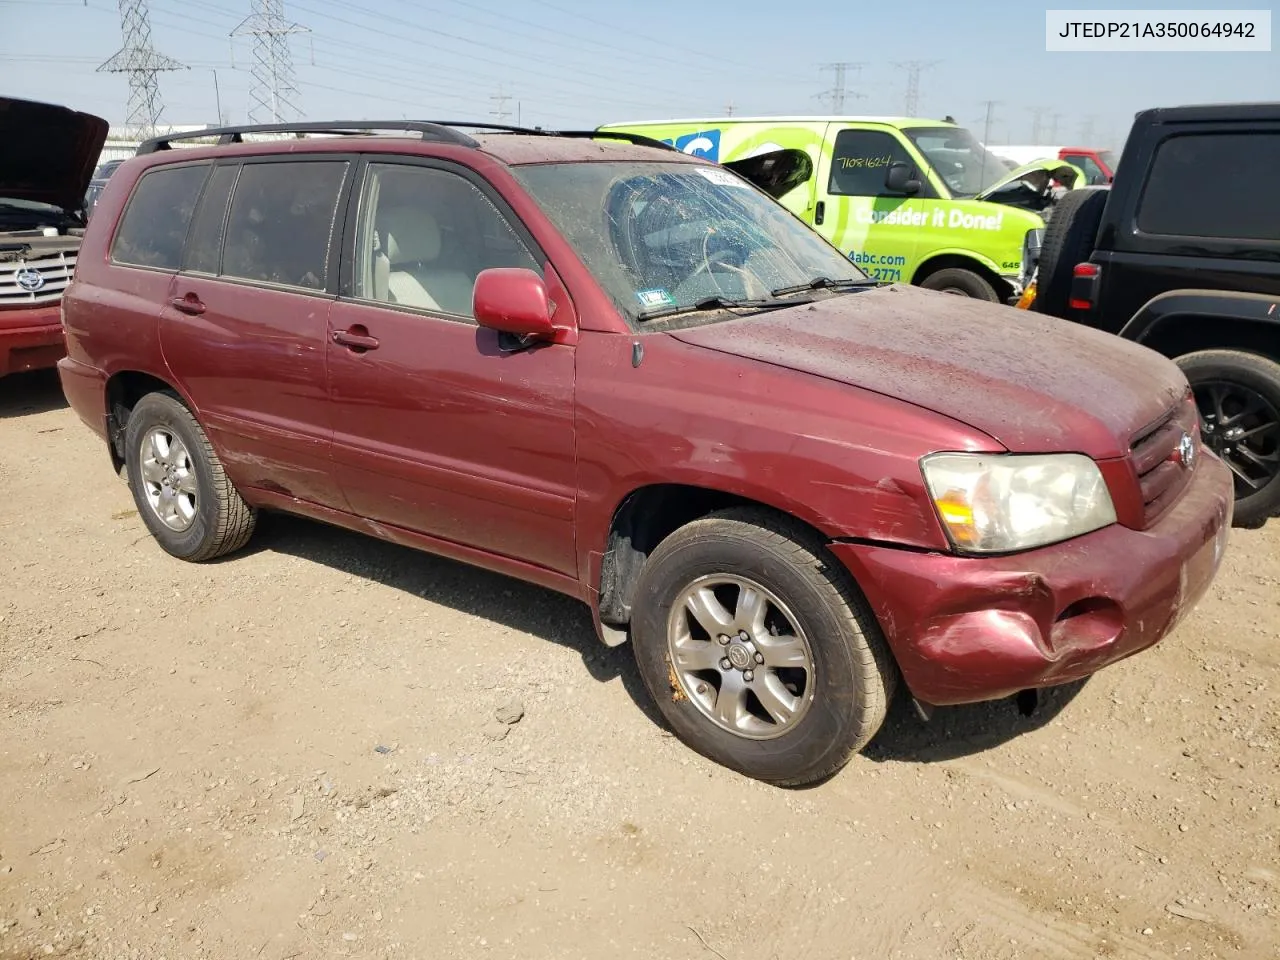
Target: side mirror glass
[
  {"x": 899, "y": 179},
  {"x": 513, "y": 300}
]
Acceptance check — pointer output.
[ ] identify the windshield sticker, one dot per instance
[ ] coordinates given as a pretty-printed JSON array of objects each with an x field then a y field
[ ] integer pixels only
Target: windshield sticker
[
  {"x": 721, "y": 178},
  {"x": 656, "y": 297}
]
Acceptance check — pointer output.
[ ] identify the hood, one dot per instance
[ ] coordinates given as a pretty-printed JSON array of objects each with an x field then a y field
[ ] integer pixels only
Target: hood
[
  {"x": 1036, "y": 175},
  {"x": 1032, "y": 382},
  {"x": 47, "y": 152}
]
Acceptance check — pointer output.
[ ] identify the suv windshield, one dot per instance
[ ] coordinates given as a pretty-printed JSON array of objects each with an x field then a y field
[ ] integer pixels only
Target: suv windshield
[
  {"x": 964, "y": 164},
  {"x": 664, "y": 238}
]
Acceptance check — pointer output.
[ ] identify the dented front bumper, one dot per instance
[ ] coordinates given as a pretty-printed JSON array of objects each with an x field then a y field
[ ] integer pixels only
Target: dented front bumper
[{"x": 967, "y": 629}]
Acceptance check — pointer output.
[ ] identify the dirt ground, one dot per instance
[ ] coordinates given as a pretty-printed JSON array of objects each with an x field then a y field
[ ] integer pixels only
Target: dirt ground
[{"x": 294, "y": 753}]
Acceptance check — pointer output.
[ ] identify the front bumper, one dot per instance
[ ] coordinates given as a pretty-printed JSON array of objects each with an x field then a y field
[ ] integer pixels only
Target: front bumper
[
  {"x": 967, "y": 629},
  {"x": 31, "y": 339}
]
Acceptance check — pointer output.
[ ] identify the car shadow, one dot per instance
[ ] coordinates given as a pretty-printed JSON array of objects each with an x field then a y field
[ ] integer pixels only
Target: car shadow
[
  {"x": 962, "y": 731},
  {"x": 467, "y": 589},
  {"x": 27, "y": 394}
]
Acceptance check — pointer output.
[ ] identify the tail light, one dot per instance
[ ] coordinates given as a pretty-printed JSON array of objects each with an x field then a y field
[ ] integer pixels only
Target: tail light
[{"x": 1084, "y": 286}]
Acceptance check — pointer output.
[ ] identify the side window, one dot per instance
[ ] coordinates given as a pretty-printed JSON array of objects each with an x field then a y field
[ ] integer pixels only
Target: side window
[
  {"x": 424, "y": 236},
  {"x": 1092, "y": 172},
  {"x": 204, "y": 245},
  {"x": 154, "y": 226},
  {"x": 1213, "y": 185},
  {"x": 280, "y": 226},
  {"x": 861, "y": 161}
]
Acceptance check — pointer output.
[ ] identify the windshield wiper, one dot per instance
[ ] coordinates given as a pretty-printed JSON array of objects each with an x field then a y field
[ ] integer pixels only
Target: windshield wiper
[
  {"x": 715, "y": 303},
  {"x": 820, "y": 283}
]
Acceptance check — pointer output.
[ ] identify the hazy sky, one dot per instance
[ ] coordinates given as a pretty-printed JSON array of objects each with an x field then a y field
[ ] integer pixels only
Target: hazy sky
[{"x": 579, "y": 63}]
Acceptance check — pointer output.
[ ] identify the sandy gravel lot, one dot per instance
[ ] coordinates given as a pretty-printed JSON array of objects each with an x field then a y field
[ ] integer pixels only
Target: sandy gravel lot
[{"x": 294, "y": 753}]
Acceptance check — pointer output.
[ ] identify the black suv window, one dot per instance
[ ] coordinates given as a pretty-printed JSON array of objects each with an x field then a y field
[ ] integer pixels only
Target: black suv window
[
  {"x": 860, "y": 162},
  {"x": 424, "y": 236},
  {"x": 1213, "y": 185},
  {"x": 154, "y": 226},
  {"x": 281, "y": 222}
]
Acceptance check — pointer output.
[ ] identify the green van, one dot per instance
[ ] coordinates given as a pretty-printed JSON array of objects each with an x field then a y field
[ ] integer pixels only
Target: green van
[{"x": 909, "y": 200}]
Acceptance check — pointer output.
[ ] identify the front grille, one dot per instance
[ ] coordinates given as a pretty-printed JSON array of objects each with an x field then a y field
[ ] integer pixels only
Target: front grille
[
  {"x": 1157, "y": 461},
  {"x": 54, "y": 270}
]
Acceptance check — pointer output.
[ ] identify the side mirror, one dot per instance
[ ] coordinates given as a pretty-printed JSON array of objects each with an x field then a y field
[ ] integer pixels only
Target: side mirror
[
  {"x": 513, "y": 300},
  {"x": 899, "y": 179}
]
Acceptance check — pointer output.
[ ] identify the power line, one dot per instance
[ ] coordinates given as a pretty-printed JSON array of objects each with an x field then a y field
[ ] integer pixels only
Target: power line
[
  {"x": 1054, "y": 118},
  {"x": 500, "y": 111},
  {"x": 987, "y": 123},
  {"x": 837, "y": 93},
  {"x": 911, "y": 102},
  {"x": 1037, "y": 123},
  {"x": 273, "y": 96},
  {"x": 143, "y": 63}
]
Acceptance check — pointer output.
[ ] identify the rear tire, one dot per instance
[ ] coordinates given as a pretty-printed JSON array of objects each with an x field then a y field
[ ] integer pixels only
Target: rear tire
[
  {"x": 1238, "y": 394},
  {"x": 1068, "y": 239},
  {"x": 811, "y": 677},
  {"x": 182, "y": 493},
  {"x": 962, "y": 283}
]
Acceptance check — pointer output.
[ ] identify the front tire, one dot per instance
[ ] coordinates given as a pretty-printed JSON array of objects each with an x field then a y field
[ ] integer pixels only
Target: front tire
[
  {"x": 758, "y": 649},
  {"x": 1238, "y": 394},
  {"x": 182, "y": 493},
  {"x": 961, "y": 283}
]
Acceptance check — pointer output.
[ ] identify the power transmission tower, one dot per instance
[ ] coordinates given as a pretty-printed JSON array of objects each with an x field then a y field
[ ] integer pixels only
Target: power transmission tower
[
  {"x": 142, "y": 62},
  {"x": 837, "y": 93},
  {"x": 1086, "y": 130},
  {"x": 728, "y": 109},
  {"x": 500, "y": 111},
  {"x": 911, "y": 103},
  {"x": 1037, "y": 123},
  {"x": 987, "y": 123},
  {"x": 1054, "y": 118},
  {"x": 273, "y": 95}
]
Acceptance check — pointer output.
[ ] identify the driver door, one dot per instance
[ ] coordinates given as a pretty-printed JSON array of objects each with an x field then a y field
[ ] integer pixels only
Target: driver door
[{"x": 877, "y": 229}]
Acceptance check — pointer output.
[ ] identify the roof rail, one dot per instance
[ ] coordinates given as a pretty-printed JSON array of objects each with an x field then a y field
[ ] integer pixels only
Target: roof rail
[{"x": 439, "y": 131}]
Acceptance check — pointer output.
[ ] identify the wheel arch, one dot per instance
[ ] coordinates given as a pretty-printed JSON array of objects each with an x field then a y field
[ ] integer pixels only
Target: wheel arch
[
  {"x": 641, "y": 520},
  {"x": 984, "y": 267},
  {"x": 124, "y": 388},
  {"x": 1184, "y": 321}
]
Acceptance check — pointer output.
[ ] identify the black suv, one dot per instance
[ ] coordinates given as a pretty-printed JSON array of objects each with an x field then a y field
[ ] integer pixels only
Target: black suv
[{"x": 1182, "y": 254}]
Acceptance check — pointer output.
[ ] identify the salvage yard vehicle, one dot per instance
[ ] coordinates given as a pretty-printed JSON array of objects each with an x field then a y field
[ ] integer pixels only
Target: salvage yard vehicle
[
  {"x": 1182, "y": 255},
  {"x": 909, "y": 200},
  {"x": 47, "y": 154},
  {"x": 1096, "y": 163},
  {"x": 595, "y": 363}
]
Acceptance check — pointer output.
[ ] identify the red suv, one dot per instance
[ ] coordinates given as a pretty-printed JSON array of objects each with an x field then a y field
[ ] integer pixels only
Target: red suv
[{"x": 592, "y": 362}]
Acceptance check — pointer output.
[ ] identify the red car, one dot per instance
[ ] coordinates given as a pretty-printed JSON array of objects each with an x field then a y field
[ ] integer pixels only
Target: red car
[
  {"x": 47, "y": 155},
  {"x": 626, "y": 374}
]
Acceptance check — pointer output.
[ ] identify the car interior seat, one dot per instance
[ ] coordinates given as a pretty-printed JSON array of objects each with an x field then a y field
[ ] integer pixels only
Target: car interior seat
[{"x": 413, "y": 276}]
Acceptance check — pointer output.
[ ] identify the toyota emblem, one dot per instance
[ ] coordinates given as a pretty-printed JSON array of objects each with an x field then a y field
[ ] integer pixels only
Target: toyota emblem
[
  {"x": 1187, "y": 451},
  {"x": 29, "y": 280}
]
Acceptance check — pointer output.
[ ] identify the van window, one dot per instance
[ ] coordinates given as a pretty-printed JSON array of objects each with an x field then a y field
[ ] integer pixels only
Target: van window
[
  {"x": 1088, "y": 166},
  {"x": 860, "y": 162},
  {"x": 1213, "y": 185},
  {"x": 204, "y": 246},
  {"x": 281, "y": 223},
  {"x": 154, "y": 226},
  {"x": 963, "y": 163},
  {"x": 424, "y": 236}
]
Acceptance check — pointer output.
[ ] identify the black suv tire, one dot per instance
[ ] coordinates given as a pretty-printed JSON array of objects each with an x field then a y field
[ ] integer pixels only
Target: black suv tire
[
  {"x": 1243, "y": 390},
  {"x": 1068, "y": 240},
  {"x": 851, "y": 678}
]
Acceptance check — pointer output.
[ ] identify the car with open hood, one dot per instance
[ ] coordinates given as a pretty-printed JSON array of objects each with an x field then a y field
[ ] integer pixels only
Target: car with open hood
[
  {"x": 909, "y": 200},
  {"x": 47, "y": 155},
  {"x": 601, "y": 365}
]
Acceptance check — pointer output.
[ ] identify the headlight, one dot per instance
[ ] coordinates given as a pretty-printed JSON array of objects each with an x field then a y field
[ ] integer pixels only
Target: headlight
[{"x": 998, "y": 503}]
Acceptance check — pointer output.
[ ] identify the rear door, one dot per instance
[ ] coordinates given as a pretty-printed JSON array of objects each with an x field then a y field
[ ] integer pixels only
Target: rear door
[
  {"x": 856, "y": 211},
  {"x": 442, "y": 427},
  {"x": 244, "y": 328}
]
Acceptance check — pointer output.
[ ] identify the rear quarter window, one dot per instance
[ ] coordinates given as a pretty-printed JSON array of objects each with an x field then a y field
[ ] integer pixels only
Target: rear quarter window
[
  {"x": 1218, "y": 185},
  {"x": 155, "y": 222}
]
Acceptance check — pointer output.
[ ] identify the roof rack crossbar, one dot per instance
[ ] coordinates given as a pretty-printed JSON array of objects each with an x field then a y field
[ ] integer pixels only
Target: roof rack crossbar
[{"x": 438, "y": 132}]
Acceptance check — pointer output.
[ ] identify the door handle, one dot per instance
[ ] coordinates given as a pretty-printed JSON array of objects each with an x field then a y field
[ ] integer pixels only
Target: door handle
[
  {"x": 819, "y": 212},
  {"x": 189, "y": 304},
  {"x": 356, "y": 339}
]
